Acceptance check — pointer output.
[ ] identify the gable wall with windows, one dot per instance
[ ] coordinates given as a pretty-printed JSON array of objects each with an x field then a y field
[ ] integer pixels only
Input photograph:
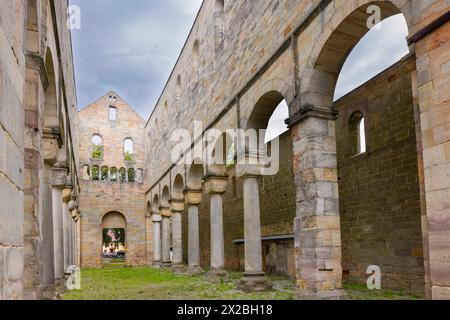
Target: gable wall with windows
[{"x": 103, "y": 188}]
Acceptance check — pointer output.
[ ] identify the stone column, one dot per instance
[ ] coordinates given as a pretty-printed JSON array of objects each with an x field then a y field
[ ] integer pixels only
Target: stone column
[
  {"x": 193, "y": 200},
  {"x": 59, "y": 182},
  {"x": 317, "y": 225},
  {"x": 216, "y": 186},
  {"x": 51, "y": 145},
  {"x": 156, "y": 218},
  {"x": 249, "y": 168},
  {"x": 67, "y": 221},
  {"x": 73, "y": 216},
  {"x": 434, "y": 109},
  {"x": 166, "y": 214},
  {"x": 177, "y": 208},
  {"x": 47, "y": 243}
]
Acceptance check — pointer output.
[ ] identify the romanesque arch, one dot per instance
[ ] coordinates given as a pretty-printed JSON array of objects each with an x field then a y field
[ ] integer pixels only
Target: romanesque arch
[
  {"x": 320, "y": 74},
  {"x": 321, "y": 165},
  {"x": 114, "y": 237}
]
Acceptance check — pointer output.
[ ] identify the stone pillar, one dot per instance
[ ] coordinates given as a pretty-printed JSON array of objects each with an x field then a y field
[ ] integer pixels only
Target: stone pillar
[
  {"x": 166, "y": 214},
  {"x": 177, "y": 208},
  {"x": 67, "y": 221},
  {"x": 434, "y": 108},
  {"x": 317, "y": 225},
  {"x": 216, "y": 186},
  {"x": 47, "y": 244},
  {"x": 249, "y": 168},
  {"x": 156, "y": 218},
  {"x": 193, "y": 200},
  {"x": 51, "y": 145},
  {"x": 59, "y": 182},
  {"x": 73, "y": 216}
]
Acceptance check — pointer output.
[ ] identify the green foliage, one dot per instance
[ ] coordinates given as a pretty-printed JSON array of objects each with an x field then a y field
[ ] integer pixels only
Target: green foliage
[
  {"x": 97, "y": 152},
  {"x": 131, "y": 175},
  {"x": 128, "y": 156},
  {"x": 122, "y": 175},
  {"x": 95, "y": 173},
  {"x": 118, "y": 233}
]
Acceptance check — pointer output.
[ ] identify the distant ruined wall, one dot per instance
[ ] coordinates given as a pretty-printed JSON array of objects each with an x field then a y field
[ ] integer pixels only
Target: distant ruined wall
[
  {"x": 101, "y": 197},
  {"x": 379, "y": 190}
]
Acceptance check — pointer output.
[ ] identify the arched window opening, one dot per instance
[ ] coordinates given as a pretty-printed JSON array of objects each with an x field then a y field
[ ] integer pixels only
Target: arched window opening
[
  {"x": 128, "y": 147},
  {"x": 104, "y": 174},
  {"x": 112, "y": 114},
  {"x": 122, "y": 175},
  {"x": 219, "y": 10},
  {"x": 195, "y": 62},
  {"x": 357, "y": 134},
  {"x": 277, "y": 125},
  {"x": 131, "y": 175},
  {"x": 97, "y": 147},
  {"x": 362, "y": 147},
  {"x": 95, "y": 173},
  {"x": 178, "y": 91},
  {"x": 384, "y": 45},
  {"x": 113, "y": 175}
]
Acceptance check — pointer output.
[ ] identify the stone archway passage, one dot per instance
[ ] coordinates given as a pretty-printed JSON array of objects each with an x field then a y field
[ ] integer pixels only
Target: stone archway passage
[{"x": 114, "y": 237}]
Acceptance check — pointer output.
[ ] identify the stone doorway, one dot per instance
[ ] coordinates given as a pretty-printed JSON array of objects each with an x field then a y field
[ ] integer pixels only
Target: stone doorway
[{"x": 114, "y": 238}]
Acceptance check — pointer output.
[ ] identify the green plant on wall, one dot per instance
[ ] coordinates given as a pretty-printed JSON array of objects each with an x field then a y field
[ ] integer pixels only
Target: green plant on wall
[
  {"x": 128, "y": 156},
  {"x": 97, "y": 152}
]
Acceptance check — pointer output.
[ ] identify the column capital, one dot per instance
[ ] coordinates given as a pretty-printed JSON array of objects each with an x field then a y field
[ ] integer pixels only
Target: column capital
[
  {"x": 52, "y": 144},
  {"x": 165, "y": 212},
  {"x": 216, "y": 184},
  {"x": 311, "y": 111},
  {"x": 67, "y": 195},
  {"x": 177, "y": 205},
  {"x": 250, "y": 162},
  {"x": 59, "y": 177},
  {"x": 193, "y": 197},
  {"x": 156, "y": 217}
]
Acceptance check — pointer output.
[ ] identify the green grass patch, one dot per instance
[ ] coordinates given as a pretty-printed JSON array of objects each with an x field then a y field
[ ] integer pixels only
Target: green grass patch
[
  {"x": 117, "y": 282},
  {"x": 159, "y": 284}
]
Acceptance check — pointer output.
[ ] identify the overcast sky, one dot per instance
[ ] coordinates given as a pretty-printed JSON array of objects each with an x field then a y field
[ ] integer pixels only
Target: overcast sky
[{"x": 132, "y": 46}]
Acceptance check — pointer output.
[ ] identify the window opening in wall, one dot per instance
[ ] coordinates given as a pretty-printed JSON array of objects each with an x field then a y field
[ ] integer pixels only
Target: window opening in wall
[
  {"x": 362, "y": 146},
  {"x": 112, "y": 114},
  {"x": 131, "y": 175},
  {"x": 122, "y": 175},
  {"x": 95, "y": 173},
  {"x": 104, "y": 174},
  {"x": 97, "y": 147},
  {"x": 113, "y": 177},
  {"x": 128, "y": 149}
]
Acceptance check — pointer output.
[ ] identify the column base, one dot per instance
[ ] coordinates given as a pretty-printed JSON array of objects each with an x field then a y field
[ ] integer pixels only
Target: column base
[
  {"x": 338, "y": 294},
  {"x": 254, "y": 282},
  {"x": 156, "y": 264},
  {"x": 217, "y": 275},
  {"x": 49, "y": 293},
  {"x": 178, "y": 268},
  {"x": 194, "y": 270}
]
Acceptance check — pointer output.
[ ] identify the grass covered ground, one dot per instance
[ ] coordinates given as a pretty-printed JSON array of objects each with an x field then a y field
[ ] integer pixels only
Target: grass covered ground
[{"x": 119, "y": 283}]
